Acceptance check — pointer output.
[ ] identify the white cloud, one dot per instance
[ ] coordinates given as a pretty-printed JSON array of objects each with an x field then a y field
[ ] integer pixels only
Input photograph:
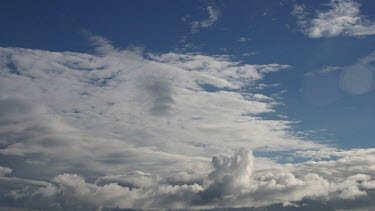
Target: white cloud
[
  {"x": 328, "y": 69},
  {"x": 140, "y": 131},
  {"x": 240, "y": 180},
  {"x": 342, "y": 18},
  {"x": 250, "y": 54},
  {"x": 126, "y": 101},
  {"x": 368, "y": 59},
  {"x": 213, "y": 16},
  {"x": 92, "y": 109},
  {"x": 244, "y": 39},
  {"x": 262, "y": 86},
  {"x": 4, "y": 171},
  {"x": 101, "y": 45}
]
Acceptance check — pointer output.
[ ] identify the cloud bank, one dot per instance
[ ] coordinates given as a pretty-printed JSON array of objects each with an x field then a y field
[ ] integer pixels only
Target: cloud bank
[
  {"x": 236, "y": 181},
  {"x": 124, "y": 129}
]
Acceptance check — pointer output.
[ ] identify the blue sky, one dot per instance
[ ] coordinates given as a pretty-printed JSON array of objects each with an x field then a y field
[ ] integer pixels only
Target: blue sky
[
  {"x": 273, "y": 36},
  {"x": 142, "y": 94}
]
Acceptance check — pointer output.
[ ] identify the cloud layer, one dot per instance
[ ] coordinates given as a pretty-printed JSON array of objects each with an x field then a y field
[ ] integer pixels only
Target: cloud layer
[
  {"x": 236, "y": 181},
  {"x": 124, "y": 129}
]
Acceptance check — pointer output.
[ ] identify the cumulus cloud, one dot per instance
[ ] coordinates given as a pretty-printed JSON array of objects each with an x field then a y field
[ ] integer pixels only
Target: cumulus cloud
[
  {"x": 341, "y": 18},
  {"x": 119, "y": 129},
  {"x": 240, "y": 180}
]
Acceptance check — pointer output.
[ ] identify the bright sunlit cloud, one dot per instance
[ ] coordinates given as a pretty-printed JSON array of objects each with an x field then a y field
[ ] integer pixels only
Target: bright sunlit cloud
[{"x": 187, "y": 106}]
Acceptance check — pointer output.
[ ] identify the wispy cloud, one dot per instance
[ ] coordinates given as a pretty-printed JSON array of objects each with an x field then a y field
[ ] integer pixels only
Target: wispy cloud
[
  {"x": 328, "y": 69},
  {"x": 369, "y": 58},
  {"x": 341, "y": 18},
  {"x": 244, "y": 39},
  {"x": 354, "y": 79},
  {"x": 116, "y": 129},
  {"x": 213, "y": 16}
]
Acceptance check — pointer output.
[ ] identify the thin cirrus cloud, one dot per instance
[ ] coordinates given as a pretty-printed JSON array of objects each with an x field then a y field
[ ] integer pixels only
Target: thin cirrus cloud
[
  {"x": 342, "y": 17},
  {"x": 120, "y": 129},
  {"x": 244, "y": 39},
  {"x": 355, "y": 79},
  {"x": 213, "y": 16}
]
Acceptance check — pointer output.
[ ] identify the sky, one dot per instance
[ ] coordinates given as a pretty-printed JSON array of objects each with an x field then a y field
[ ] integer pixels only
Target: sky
[{"x": 187, "y": 105}]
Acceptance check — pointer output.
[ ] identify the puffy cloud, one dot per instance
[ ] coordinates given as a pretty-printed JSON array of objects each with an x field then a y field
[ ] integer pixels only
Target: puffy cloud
[
  {"x": 343, "y": 17},
  {"x": 113, "y": 195},
  {"x": 240, "y": 180},
  {"x": 119, "y": 129}
]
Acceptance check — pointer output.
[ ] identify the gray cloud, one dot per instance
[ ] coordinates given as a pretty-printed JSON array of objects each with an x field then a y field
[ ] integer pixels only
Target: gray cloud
[
  {"x": 118, "y": 130},
  {"x": 4, "y": 171},
  {"x": 161, "y": 92},
  {"x": 236, "y": 181}
]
